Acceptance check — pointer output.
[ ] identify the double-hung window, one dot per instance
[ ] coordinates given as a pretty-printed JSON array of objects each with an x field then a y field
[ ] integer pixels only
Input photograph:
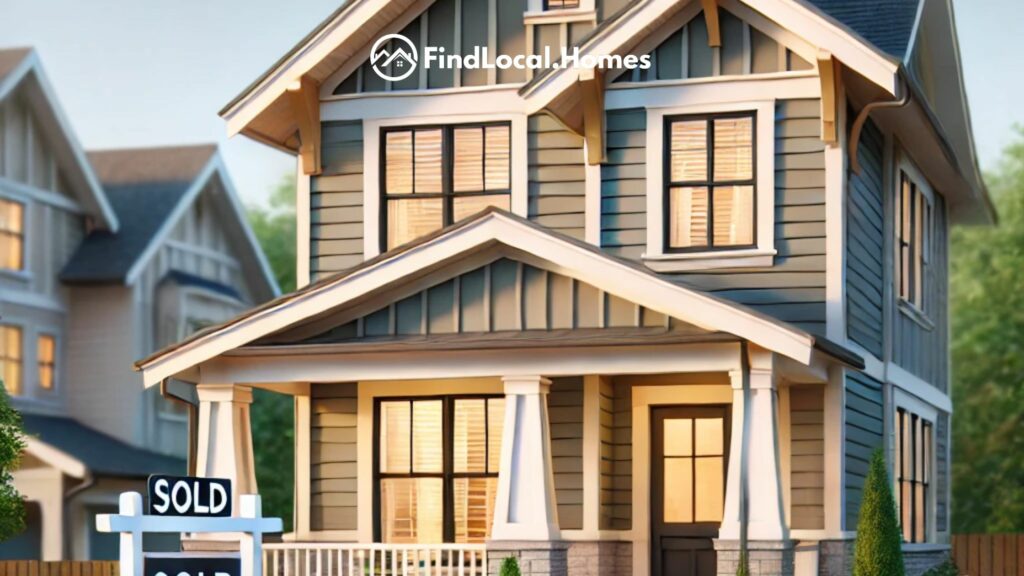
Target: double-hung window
[
  {"x": 561, "y": 4},
  {"x": 12, "y": 235},
  {"x": 913, "y": 473},
  {"x": 437, "y": 468},
  {"x": 710, "y": 182},
  {"x": 46, "y": 360},
  {"x": 914, "y": 233},
  {"x": 435, "y": 176},
  {"x": 10, "y": 358}
]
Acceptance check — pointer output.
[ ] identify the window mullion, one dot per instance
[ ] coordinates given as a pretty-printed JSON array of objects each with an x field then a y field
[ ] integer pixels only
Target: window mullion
[{"x": 711, "y": 182}]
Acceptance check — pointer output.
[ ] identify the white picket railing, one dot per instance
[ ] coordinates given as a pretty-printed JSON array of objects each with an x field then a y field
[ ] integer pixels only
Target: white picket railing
[{"x": 329, "y": 559}]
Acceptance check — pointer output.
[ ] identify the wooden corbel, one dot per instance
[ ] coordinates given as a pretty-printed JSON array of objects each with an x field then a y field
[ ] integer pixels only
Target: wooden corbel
[
  {"x": 711, "y": 18},
  {"x": 829, "y": 70},
  {"x": 304, "y": 96},
  {"x": 592, "y": 88}
]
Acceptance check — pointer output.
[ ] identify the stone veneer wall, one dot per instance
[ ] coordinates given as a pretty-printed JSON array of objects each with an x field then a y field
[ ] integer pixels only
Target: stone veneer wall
[
  {"x": 600, "y": 559},
  {"x": 835, "y": 558},
  {"x": 608, "y": 558},
  {"x": 763, "y": 558}
]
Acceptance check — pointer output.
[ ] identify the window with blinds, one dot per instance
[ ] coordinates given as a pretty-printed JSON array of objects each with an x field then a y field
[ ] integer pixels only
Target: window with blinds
[
  {"x": 914, "y": 442},
  {"x": 914, "y": 233},
  {"x": 12, "y": 235},
  {"x": 437, "y": 468},
  {"x": 10, "y": 358},
  {"x": 710, "y": 176},
  {"x": 436, "y": 176}
]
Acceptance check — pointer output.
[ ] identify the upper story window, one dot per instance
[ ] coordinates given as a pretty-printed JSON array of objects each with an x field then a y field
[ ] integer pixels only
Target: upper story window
[
  {"x": 914, "y": 234},
  {"x": 10, "y": 358},
  {"x": 435, "y": 176},
  {"x": 12, "y": 235},
  {"x": 46, "y": 360},
  {"x": 710, "y": 182},
  {"x": 437, "y": 468},
  {"x": 561, "y": 4},
  {"x": 914, "y": 441}
]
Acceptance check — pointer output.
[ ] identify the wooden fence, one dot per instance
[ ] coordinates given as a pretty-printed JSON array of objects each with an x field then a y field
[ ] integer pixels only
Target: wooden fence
[
  {"x": 63, "y": 568},
  {"x": 987, "y": 554}
]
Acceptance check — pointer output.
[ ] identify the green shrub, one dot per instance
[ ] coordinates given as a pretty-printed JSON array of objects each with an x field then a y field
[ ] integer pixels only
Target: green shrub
[
  {"x": 12, "y": 442},
  {"x": 947, "y": 568},
  {"x": 877, "y": 551},
  {"x": 510, "y": 566},
  {"x": 744, "y": 568}
]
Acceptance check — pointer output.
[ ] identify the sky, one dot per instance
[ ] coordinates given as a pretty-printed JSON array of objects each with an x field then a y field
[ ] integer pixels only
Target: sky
[{"x": 155, "y": 72}]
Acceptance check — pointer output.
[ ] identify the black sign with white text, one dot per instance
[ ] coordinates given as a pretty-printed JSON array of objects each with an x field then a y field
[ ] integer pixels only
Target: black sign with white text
[
  {"x": 189, "y": 496},
  {"x": 192, "y": 566}
]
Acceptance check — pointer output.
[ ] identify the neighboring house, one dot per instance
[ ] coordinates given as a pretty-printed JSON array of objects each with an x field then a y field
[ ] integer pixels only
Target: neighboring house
[
  {"x": 103, "y": 257},
  {"x": 610, "y": 323}
]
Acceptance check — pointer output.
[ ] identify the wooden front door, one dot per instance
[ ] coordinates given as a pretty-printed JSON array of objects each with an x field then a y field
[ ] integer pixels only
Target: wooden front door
[{"x": 689, "y": 454}]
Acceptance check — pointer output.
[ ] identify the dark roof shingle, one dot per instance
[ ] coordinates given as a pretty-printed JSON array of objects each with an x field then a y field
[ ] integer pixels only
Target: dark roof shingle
[
  {"x": 103, "y": 455},
  {"x": 887, "y": 24}
]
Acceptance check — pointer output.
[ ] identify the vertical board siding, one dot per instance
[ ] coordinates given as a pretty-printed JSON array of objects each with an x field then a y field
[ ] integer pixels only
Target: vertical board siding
[
  {"x": 557, "y": 184},
  {"x": 864, "y": 421},
  {"x": 333, "y": 459},
  {"x": 622, "y": 457},
  {"x": 565, "y": 413},
  {"x": 336, "y": 201},
  {"x": 607, "y": 462},
  {"x": 924, "y": 350},
  {"x": 865, "y": 245},
  {"x": 942, "y": 473},
  {"x": 793, "y": 289},
  {"x": 807, "y": 457},
  {"x": 25, "y": 153},
  {"x": 624, "y": 184}
]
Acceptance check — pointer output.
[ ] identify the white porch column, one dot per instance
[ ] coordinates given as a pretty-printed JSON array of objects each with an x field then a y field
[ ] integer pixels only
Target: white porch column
[
  {"x": 755, "y": 445},
  {"x": 525, "y": 507},
  {"x": 225, "y": 437}
]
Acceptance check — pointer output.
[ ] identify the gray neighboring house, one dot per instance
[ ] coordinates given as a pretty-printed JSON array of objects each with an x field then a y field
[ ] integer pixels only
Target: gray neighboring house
[{"x": 105, "y": 256}]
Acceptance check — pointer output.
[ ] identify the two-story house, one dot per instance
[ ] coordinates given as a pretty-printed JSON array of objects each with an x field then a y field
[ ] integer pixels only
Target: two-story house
[
  {"x": 608, "y": 321},
  {"x": 104, "y": 257}
]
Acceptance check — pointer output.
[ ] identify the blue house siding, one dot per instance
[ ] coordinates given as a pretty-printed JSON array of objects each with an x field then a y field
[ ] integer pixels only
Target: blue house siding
[
  {"x": 865, "y": 245},
  {"x": 864, "y": 433}
]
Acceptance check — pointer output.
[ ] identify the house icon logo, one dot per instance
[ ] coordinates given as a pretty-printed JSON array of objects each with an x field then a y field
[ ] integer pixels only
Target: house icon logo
[{"x": 394, "y": 57}]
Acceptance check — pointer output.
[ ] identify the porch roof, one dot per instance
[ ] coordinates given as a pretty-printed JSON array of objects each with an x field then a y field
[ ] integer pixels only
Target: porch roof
[{"x": 500, "y": 231}]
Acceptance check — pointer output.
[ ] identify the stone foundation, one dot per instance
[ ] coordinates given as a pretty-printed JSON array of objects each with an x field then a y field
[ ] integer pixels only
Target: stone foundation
[
  {"x": 918, "y": 562},
  {"x": 763, "y": 558},
  {"x": 835, "y": 557},
  {"x": 607, "y": 558},
  {"x": 535, "y": 558}
]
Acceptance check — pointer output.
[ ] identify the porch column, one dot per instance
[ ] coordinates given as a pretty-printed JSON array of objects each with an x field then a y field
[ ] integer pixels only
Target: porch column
[
  {"x": 525, "y": 507},
  {"x": 225, "y": 437}
]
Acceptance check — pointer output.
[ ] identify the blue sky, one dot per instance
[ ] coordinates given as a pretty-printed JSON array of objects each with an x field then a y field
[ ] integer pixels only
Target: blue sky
[{"x": 148, "y": 72}]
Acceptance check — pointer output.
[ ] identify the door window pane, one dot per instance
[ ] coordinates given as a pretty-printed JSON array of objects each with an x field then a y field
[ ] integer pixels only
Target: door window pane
[
  {"x": 678, "y": 437},
  {"x": 678, "y": 490},
  {"x": 710, "y": 441},
  {"x": 412, "y": 510},
  {"x": 710, "y": 473}
]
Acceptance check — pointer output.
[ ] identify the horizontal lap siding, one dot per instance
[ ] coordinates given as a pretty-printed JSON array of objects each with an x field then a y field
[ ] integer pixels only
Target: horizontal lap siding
[
  {"x": 565, "y": 413},
  {"x": 622, "y": 455},
  {"x": 793, "y": 289},
  {"x": 624, "y": 185},
  {"x": 333, "y": 457},
  {"x": 557, "y": 187},
  {"x": 865, "y": 245},
  {"x": 924, "y": 350},
  {"x": 942, "y": 473},
  {"x": 607, "y": 418},
  {"x": 864, "y": 421},
  {"x": 336, "y": 201},
  {"x": 807, "y": 457}
]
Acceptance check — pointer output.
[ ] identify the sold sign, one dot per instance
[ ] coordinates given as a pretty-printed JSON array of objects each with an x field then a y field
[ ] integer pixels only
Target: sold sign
[{"x": 189, "y": 496}]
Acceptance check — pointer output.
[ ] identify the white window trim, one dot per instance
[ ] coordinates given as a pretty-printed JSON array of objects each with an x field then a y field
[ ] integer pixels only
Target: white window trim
[
  {"x": 906, "y": 307},
  {"x": 921, "y": 409},
  {"x": 763, "y": 255},
  {"x": 372, "y": 157}
]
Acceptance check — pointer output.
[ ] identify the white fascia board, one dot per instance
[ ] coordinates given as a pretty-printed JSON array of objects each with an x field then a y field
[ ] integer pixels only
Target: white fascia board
[
  {"x": 584, "y": 264},
  {"x": 32, "y": 65},
  {"x": 56, "y": 457},
  {"x": 302, "y": 61}
]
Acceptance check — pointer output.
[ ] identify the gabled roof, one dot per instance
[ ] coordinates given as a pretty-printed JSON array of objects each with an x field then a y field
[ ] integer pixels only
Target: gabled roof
[
  {"x": 151, "y": 188},
  {"x": 21, "y": 67},
  {"x": 490, "y": 229},
  {"x": 101, "y": 455}
]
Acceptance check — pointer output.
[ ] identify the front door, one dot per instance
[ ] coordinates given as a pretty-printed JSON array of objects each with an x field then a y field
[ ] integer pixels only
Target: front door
[{"x": 689, "y": 456}]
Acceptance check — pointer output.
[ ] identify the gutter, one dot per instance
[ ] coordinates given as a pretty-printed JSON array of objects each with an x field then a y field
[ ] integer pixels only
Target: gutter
[
  {"x": 89, "y": 482},
  {"x": 193, "y": 437}
]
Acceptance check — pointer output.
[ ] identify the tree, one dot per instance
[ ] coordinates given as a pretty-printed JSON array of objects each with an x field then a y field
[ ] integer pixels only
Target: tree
[
  {"x": 987, "y": 304},
  {"x": 12, "y": 442},
  {"x": 273, "y": 425},
  {"x": 878, "y": 548}
]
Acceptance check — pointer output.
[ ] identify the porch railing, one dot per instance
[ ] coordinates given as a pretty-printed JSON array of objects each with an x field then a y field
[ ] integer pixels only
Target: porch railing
[{"x": 329, "y": 559}]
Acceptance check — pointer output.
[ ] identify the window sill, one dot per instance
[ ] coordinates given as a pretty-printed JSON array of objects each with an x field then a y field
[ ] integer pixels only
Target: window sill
[
  {"x": 560, "y": 15},
  {"x": 751, "y": 258},
  {"x": 915, "y": 314},
  {"x": 20, "y": 275}
]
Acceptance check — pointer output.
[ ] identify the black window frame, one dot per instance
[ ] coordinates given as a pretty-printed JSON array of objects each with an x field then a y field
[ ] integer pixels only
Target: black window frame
[
  {"x": 550, "y": 5},
  {"x": 908, "y": 479},
  {"x": 709, "y": 182},
  {"x": 447, "y": 474},
  {"x": 447, "y": 193},
  {"x": 913, "y": 258}
]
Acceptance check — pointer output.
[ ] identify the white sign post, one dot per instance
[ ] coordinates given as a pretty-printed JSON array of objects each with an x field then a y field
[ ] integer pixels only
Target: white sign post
[{"x": 132, "y": 523}]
